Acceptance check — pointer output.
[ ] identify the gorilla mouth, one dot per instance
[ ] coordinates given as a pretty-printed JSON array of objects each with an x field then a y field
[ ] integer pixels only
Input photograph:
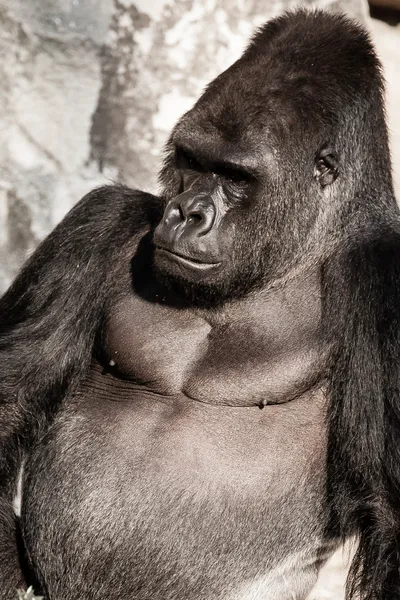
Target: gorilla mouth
[{"x": 186, "y": 260}]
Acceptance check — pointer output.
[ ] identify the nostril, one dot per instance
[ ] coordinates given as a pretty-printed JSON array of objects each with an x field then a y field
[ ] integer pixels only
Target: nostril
[{"x": 195, "y": 218}]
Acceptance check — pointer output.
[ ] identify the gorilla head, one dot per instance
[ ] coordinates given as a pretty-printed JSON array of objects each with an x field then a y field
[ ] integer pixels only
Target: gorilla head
[{"x": 271, "y": 158}]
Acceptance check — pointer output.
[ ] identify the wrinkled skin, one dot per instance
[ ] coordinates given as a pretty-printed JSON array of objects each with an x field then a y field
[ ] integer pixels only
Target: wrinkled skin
[{"x": 202, "y": 386}]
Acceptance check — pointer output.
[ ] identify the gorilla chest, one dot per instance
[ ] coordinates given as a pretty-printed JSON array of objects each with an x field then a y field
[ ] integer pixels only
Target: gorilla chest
[
  {"x": 182, "y": 499},
  {"x": 259, "y": 357}
]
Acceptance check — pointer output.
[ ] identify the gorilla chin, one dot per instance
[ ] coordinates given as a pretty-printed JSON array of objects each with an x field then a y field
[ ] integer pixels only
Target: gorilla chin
[
  {"x": 199, "y": 284},
  {"x": 189, "y": 280}
]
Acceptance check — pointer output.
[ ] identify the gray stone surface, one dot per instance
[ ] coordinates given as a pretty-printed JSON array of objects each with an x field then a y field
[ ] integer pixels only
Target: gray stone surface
[{"x": 61, "y": 19}]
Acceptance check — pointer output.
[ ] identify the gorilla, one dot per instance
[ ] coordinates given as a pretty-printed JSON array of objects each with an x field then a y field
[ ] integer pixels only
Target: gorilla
[{"x": 202, "y": 388}]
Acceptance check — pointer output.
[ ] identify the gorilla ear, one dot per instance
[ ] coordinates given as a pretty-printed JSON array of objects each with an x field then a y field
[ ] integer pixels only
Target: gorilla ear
[{"x": 326, "y": 166}]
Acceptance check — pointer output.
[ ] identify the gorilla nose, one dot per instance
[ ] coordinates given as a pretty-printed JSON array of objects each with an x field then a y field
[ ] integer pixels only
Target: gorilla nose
[
  {"x": 192, "y": 212},
  {"x": 198, "y": 213}
]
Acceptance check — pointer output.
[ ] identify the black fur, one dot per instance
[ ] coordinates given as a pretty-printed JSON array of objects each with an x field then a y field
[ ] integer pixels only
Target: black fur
[
  {"x": 49, "y": 319},
  {"x": 301, "y": 114}
]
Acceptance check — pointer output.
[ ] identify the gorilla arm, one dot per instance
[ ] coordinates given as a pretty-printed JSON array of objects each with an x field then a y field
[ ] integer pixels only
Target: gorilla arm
[
  {"x": 48, "y": 323},
  {"x": 361, "y": 309}
]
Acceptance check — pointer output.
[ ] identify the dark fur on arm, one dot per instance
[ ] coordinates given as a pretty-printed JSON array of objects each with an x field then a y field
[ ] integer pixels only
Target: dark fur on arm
[
  {"x": 49, "y": 319},
  {"x": 362, "y": 306}
]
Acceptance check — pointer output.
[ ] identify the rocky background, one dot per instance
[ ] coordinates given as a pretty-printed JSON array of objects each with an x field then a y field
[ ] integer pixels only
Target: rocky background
[{"x": 89, "y": 90}]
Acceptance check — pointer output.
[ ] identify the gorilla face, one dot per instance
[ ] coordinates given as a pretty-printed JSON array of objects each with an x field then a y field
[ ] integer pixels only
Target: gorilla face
[
  {"x": 200, "y": 239},
  {"x": 218, "y": 237}
]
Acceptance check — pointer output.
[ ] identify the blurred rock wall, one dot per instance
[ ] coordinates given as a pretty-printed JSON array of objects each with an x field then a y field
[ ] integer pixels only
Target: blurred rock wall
[{"x": 90, "y": 89}]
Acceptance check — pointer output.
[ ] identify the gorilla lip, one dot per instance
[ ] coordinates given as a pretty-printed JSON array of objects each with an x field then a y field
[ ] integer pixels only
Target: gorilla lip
[{"x": 186, "y": 260}]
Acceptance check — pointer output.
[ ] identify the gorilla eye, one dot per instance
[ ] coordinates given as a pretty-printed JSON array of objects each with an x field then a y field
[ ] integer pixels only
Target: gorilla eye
[
  {"x": 236, "y": 176},
  {"x": 192, "y": 163},
  {"x": 186, "y": 160}
]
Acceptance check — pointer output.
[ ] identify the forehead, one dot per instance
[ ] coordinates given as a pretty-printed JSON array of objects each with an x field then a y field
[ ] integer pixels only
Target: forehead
[
  {"x": 291, "y": 76},
  {"x": 215, "y": 140},
  {"x": 249, "y": 119}
]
